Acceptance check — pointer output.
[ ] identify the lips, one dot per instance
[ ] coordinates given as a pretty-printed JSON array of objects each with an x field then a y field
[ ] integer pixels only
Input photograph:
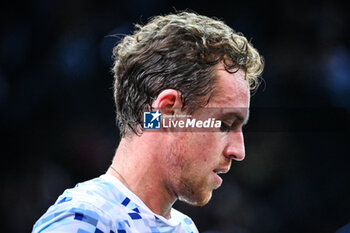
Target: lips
[
  {"x": 222, "y": 170},
  {"x": 218, "y": 171},
  {"x": 217, "y": 179}
]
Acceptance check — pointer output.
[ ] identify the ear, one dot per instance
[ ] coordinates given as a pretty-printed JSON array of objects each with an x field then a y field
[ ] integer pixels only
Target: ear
[{"x": 168, "y": 101}]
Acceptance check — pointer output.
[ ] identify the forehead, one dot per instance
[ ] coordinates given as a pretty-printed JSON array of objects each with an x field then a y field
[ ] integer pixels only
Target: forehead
[{"x": 231, "y": 90}]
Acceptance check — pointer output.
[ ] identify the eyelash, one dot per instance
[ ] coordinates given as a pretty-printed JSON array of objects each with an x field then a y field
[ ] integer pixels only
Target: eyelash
[
  {"x": 225, "y": 127},
  {"x": 228, "y": 128}
]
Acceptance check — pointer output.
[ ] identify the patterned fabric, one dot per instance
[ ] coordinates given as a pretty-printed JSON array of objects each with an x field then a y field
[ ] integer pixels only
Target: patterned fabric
[
  {"x": 105, "y": 205},
  {"x": 344, "y": 229}
]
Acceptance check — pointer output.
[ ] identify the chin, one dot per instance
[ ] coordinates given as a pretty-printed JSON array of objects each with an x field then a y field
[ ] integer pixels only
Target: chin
[{"x": 197, "y": 200}]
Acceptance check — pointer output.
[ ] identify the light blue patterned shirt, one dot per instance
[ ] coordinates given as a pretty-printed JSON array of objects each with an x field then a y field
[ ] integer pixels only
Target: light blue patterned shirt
[{"x": 104, "y": 204}]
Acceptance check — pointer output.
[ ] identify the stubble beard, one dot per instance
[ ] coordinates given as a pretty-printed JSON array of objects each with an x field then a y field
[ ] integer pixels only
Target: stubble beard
[
  {"x": 195, "y": 195},
  {"x": 187, "y": 187}
]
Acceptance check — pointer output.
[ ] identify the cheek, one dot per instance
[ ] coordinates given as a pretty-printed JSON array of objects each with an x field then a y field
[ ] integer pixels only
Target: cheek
[
  {"x": 194, "y": 151},
  {"x": 206, "y": 147}
]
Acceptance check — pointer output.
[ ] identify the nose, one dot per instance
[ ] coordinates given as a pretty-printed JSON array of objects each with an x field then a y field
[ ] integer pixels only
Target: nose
[{"x": 235, "y": 146}]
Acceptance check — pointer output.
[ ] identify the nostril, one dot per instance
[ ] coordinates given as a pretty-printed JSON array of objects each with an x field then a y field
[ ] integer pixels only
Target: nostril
[
  {"x": 235, "y": 153},
  {"x": 237, "y": 157}
]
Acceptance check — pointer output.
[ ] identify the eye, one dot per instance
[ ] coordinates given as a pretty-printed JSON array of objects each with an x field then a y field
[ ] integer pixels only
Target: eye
[{"x": 225, "y": 127}]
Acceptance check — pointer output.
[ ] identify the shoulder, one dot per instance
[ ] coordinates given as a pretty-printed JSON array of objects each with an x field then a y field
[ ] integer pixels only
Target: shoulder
[
  {"x": 91, "y": 206},
  {"x": 344, "y": 229},
  {"x": 99, "y": 192},
  {"x": 74, "y": 217}
]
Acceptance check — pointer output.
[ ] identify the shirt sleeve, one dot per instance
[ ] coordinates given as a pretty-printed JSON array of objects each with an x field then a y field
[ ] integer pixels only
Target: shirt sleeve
[{"x": 81, "y": 219}]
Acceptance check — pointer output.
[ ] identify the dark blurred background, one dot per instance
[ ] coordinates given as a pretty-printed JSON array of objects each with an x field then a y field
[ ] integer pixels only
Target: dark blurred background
[{"x": 57, "y": 113}]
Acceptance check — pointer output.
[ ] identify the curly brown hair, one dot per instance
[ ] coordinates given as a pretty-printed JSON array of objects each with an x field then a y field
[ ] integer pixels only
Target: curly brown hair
[{"x": 176, "y": 51}]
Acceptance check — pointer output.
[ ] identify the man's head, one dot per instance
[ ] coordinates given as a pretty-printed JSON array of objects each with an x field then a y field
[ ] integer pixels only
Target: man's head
[
  {"x": 188, "y": 63},
  {"x": 192, "y": 160},
  {"x": 177, "y": 52}
]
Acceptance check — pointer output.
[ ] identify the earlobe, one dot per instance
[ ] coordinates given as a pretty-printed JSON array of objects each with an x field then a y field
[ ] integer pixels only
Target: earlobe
[{"x": 168, "y": 100}]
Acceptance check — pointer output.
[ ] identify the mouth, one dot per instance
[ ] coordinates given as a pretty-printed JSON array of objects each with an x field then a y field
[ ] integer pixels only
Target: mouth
[
  {"x": 222, "y": 170},
  {"x": 217, "y": 172}
]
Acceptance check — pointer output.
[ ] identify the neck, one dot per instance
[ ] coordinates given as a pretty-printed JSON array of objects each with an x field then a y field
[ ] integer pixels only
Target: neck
[{"x": 138, "y": 168}]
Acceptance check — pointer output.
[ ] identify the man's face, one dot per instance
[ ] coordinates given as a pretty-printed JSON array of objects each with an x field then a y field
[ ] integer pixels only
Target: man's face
[{"x": 195, "y": 158}]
